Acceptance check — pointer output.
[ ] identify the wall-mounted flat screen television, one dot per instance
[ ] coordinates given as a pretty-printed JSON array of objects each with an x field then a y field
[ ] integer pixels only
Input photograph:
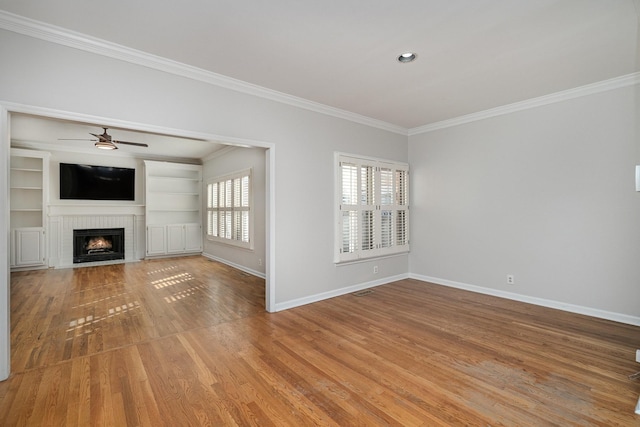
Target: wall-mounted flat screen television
[{"x": 88, "y": 182}]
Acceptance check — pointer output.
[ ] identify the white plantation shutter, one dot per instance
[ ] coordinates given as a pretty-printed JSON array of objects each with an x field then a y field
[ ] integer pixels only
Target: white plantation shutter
[
  {"x": 367, "y": 202},
  {"x": 229, "y": 213},
  {"x": 349, "y": 229},
  {"x": 212, "y": 212},
  {"x": 244, "y": 209},
  {"x": 402, "y": 206},
  {"x": 373, "y": 210}
]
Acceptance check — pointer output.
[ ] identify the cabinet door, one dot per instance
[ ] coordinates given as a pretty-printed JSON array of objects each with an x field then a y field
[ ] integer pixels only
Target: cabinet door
[
  {"x": 29, "y": 248},
  {"x": 156, "y": 240},
  {"x": 193, "y": 238},
  {"x": 175, "y": 238}
]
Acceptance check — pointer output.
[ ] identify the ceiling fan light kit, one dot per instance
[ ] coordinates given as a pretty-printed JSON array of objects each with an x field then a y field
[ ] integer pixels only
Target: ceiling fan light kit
[{"x": 105, "y": 145}]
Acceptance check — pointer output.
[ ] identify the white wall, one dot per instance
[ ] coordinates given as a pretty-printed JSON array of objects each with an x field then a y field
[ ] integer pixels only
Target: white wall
[
  {"x": 47, "y": 75},
  {"x": 236, "y": 160},
  {"x": 546, "y": 194}
]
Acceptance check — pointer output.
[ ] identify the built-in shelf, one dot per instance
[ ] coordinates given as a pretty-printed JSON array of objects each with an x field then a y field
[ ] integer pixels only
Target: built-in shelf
[
  {"x": 28, "y": 188},
  {"x": 173, "y": 210},
  {"x": 28, "y": 196}
]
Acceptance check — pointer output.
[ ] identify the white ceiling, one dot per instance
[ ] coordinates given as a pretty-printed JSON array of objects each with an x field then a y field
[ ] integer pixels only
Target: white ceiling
[{"x": 473, "y": 55}]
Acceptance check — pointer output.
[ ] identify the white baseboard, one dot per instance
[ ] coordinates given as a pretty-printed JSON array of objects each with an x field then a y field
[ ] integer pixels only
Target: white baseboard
[
  {"x": 593, "y": 312},
  {"x": 335, "y": 293},
  {"x": 237, "y": 266}
]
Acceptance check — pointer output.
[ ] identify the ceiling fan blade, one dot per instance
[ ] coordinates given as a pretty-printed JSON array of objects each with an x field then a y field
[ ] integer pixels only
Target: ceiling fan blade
[
  {"x": 138, "y": 144},
  {"x": 76, "y": 139},
  {"x": 100, "y": 137}
]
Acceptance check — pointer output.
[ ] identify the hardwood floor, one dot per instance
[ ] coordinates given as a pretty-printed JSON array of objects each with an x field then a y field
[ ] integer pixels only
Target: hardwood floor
[{"x": 186, "y": 341}]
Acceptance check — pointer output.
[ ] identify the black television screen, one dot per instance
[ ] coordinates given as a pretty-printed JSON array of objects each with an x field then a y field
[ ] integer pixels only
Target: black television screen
[{"x": 87, "y": 182}]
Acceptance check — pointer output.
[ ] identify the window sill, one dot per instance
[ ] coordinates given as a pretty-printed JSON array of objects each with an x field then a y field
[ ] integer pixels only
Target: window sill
[
  {"x": 244, "y": 246},
  {"x": 373, "y": 258}
]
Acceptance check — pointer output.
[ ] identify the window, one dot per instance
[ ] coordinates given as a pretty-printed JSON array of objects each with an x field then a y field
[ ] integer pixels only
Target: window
[
  {"x": 229, "y": 215},
  {"x": 373, "y": 208}
]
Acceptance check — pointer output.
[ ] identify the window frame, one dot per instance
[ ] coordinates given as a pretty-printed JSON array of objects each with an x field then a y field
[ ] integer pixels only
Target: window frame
[
  {"x": 369, "y": 199},
  {"x": 231, "y": 210}
]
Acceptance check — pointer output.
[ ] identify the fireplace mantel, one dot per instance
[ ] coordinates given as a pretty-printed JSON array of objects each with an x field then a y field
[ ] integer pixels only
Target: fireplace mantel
[{"x": 97, "y": 208}]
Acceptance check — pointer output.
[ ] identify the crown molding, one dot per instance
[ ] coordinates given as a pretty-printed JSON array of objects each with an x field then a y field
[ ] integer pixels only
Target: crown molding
[
  {"x": 590, "y": 89},
  {"x": 54, "y": 34}
]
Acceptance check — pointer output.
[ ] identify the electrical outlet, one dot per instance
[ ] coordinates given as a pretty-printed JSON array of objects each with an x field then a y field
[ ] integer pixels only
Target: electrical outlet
[
  {"x": 375, "y": 269},
  {"x": 510, "y": 279},
  {"x": 260, "y": 262}
]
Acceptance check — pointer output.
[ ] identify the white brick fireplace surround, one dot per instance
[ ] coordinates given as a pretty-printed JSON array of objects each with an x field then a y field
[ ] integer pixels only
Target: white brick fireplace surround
[{"x": 63, "y": 219}]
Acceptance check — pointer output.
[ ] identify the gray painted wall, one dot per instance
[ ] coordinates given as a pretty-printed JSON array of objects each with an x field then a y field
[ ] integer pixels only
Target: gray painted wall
[
  {"x": 546, "y": 194},
  {"x": 239, "y": 159}
]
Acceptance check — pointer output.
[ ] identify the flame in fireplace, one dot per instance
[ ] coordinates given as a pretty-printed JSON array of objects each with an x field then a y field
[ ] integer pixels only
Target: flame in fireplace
[{"x": 96, "y": 243}]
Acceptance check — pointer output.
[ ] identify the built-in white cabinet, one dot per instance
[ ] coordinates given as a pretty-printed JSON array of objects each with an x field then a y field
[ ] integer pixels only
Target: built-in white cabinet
[
  {"x": 183, "y": 238},
  {"x": 156, "y": 240},
  {"x": 175, "y": 238},
  {"x": 173, "y": 208},
  {"x": 28, "y": 201},
  {"x": 192, "y": 238},
  {"x": 28, "y": 247}
]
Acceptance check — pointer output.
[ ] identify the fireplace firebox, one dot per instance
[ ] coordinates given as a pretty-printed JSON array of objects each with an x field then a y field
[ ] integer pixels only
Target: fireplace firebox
[{"x": 103, "y": 244}]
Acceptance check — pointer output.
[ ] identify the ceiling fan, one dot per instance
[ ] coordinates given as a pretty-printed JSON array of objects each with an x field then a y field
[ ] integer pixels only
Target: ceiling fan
[{"x": 105, "y": 141}]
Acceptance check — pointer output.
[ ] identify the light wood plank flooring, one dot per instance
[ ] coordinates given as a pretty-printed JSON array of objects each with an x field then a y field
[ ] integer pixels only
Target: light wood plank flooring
[{"x": 186, "y": 341}]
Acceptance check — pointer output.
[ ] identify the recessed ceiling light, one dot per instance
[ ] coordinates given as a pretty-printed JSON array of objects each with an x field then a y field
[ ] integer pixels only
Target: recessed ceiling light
[{"x": 407, "y": 57}]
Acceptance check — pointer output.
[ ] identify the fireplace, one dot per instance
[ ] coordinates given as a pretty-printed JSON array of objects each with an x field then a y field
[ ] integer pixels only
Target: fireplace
[{"x": 98, "y": 245}]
